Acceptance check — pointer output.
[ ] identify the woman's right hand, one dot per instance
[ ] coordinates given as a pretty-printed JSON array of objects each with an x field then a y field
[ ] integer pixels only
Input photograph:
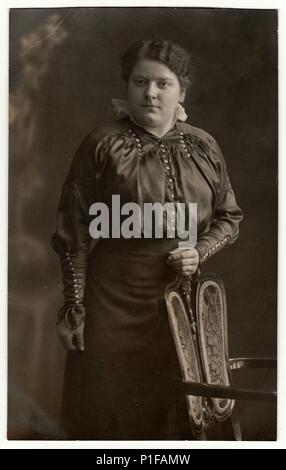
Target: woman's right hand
[{"x": 71, "y": 339}]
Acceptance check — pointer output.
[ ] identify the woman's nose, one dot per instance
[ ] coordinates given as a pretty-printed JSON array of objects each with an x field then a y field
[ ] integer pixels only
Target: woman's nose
[{"x": 151, "y": 91}]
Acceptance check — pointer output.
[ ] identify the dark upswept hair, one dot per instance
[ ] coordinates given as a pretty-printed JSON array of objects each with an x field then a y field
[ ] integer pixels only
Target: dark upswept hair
[{"x": 175, "y": 57}]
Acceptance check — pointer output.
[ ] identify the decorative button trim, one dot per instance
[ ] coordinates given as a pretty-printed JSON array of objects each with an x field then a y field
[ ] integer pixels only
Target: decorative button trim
[
  {"x": 167, "y": 169},
  {"x": 165, "y": 158},
  {"x": 215, "y": 248},
  {"x": 75, "y": 283},
  {"x": 137, "y": 141},
  {"x": 184, "y": 145}
]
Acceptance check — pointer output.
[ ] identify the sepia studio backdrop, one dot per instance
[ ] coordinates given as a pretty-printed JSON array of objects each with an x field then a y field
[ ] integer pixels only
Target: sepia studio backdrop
[{"x": 64, "y": 71}]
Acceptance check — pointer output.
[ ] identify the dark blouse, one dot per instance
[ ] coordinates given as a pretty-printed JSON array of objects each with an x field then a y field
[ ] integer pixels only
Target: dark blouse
[{"x": 185, "y": 165}]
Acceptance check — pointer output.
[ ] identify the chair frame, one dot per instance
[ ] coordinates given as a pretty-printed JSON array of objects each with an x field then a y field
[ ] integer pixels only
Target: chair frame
[{"x": 185, "y": 290}]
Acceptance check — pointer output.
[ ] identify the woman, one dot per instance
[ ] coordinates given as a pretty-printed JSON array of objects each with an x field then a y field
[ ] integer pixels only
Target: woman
[{"x": 122, "y": 361}]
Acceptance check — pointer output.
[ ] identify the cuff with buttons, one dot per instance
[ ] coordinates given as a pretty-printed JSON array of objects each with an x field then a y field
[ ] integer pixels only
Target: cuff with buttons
[
  {"x": 211, "y": 251},
  {"x": 73, "y": 280}
]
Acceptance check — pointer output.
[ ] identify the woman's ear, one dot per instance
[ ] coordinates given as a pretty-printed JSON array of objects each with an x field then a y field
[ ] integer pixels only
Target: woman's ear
[{"x": 182, "y": 95}]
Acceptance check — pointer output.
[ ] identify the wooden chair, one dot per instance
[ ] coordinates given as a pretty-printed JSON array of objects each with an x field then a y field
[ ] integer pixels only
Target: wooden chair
[{"x": 197, "y": 311}]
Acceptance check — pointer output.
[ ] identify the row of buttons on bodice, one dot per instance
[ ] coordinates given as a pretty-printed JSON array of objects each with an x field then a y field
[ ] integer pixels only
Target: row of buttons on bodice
[
  {"x": 169, "y": 176},
  {"x": 166, "y": 159}
]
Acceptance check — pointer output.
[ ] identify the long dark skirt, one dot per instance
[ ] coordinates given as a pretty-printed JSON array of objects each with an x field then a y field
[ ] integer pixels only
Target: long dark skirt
[{"x": 121, "y": 386}]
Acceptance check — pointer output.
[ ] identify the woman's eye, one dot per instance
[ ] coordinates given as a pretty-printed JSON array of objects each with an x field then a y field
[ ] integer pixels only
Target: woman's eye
[
  {"x": 139, "y": 81},
  {"x": 162, "y": 84}
]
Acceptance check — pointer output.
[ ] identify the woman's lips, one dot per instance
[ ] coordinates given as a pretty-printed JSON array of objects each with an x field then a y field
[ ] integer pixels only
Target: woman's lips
[{"x": 150, "y": 106}]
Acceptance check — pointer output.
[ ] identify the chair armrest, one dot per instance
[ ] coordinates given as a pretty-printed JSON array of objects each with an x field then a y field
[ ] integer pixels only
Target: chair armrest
[
  {"x": 222, "y": 391},
  {"x": 252, "y": 363}
]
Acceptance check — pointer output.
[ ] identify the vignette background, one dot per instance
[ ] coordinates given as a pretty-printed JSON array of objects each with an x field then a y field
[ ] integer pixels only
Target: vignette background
[{"x": 64, "y": 71}]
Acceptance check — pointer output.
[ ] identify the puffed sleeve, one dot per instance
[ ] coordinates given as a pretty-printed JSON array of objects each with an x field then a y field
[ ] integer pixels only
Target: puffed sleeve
[
  {"x": 71, "y": 239},
  {"x": 227, "y": 215}
]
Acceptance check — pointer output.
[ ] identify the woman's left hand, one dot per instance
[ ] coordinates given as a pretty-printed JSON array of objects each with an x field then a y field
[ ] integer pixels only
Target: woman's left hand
[{"x": 184, "y": 262}]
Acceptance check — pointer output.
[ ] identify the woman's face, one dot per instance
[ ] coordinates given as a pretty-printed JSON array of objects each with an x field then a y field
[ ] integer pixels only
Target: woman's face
[{"x": 153, "y": 94}]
